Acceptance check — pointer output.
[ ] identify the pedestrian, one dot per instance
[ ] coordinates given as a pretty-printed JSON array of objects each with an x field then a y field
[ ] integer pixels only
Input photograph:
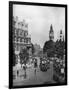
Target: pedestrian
[
  {"x": 35, "y": 63},
  {"x": 17, "y": 73}
]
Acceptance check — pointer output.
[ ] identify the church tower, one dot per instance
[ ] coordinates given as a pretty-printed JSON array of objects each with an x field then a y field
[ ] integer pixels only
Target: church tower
[
  {"x": 51, "y": 33},
  {"x": 61, "y": 35}
]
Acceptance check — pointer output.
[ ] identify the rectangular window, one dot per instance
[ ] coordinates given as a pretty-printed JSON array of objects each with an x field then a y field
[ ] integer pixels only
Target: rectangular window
[
  {"x": 22, "y": 40},
  {"x": 22, "y": 33},
  {"x": 15, "y": 32},
  {"x": 18, "y": 39},
  {"x": 14, "y": 39}
]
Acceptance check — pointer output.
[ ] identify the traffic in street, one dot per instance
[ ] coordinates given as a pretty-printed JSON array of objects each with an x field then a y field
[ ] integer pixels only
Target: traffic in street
[{"x": 38, "y": 71}]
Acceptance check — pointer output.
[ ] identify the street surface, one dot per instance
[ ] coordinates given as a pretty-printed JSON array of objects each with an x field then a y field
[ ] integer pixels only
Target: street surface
[{"x": 34, "y": 77}]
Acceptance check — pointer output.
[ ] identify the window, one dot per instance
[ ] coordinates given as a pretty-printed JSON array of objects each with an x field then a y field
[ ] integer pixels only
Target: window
[
  {"x": 18, "y": 39},
  {"x": 15, "y": 32},
  {"x": 19, "y": 31},
  {"x": 26, "y": 33},
  {"x": 23, "y": 33},
  {"x": 26, "y": 40},
  {"x": 22, "y": 40},
  {"x": 15, "y": 39},
  {"x": 29, "y": 40}
]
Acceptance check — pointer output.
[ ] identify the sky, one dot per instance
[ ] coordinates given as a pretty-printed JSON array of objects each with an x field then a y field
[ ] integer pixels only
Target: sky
[{"x": 39, "y": 19}]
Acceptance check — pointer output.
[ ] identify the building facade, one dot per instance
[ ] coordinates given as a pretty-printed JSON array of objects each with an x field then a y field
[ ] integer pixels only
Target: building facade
[{"x": 21, "y": 37}]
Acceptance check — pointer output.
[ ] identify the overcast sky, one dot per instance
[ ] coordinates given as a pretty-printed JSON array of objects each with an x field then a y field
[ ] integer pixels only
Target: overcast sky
[{"x": 39, "y": 19}]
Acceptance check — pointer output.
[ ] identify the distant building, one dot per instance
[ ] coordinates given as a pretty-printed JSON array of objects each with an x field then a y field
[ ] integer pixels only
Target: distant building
[
  {"x": 51, "y": 48},
  {"x": 37, "y": 49},
  {"x": 21, "y": 38},
  {"x": 61, "y": 36},
  {"x": 48, "y": 48}
]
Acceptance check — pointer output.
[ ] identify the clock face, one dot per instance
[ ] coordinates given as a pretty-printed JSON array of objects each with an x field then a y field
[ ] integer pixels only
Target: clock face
[{"x": 51, "y": 34}]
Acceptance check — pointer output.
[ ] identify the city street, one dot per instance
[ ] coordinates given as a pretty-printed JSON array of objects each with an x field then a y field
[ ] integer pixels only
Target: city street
[
  {"x": 38, "y": 58},
  {"x": 34, "y": 77}
]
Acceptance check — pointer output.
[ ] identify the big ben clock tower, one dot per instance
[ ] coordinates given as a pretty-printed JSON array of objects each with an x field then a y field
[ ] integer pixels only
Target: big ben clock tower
[{"x": 51, "y": 33}]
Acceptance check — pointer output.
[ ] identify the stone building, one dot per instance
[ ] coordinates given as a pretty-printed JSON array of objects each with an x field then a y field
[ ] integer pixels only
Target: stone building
[{"x": 21, "y": 37}]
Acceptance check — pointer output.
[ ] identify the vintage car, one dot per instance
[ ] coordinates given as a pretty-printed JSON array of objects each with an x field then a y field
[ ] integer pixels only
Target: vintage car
[
  {"x": 44, "y": 64},
  {"x": 59, "y": 71}
]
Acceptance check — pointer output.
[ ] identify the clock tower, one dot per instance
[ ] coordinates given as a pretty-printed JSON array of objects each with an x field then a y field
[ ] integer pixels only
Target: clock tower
[{"x": 51, "y": 33}]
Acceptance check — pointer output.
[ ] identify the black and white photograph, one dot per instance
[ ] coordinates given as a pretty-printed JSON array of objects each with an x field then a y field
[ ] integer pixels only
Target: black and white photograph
[{"x": 38, "y": 45}]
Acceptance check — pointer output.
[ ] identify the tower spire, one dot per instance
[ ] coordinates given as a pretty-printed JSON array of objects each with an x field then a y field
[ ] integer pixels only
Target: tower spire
[
  {"x": 61, "y": 35},
  {"x": 51, "y": 33}
]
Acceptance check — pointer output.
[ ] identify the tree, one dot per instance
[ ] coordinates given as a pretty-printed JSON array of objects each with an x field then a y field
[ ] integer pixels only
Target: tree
[{"x": 24, "y": 56}]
